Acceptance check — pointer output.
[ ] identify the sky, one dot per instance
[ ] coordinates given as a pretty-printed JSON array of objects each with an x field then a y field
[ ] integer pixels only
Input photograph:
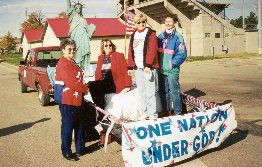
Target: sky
[{"x": 12, "y": 12}]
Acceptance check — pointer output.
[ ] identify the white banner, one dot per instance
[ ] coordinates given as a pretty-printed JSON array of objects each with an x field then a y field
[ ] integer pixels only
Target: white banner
[{"x": 168, "y": 140}]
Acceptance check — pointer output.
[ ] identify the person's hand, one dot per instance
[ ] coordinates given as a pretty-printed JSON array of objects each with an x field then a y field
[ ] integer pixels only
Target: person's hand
[
  {"x": 125, "y": 90},
  {"x": 85, "y": 79},
  {"x": 147, "y": 73},
  {"x": 129, "y": 72},
  {"x": 147, "y": 70}
]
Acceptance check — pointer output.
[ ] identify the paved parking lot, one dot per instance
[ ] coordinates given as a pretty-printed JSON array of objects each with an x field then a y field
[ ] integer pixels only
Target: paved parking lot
[{"x": 237, "y": 81}]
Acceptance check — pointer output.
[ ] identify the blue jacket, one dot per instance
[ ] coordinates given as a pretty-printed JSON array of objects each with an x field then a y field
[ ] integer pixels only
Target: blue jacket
[{"x": 172, "y": 52}]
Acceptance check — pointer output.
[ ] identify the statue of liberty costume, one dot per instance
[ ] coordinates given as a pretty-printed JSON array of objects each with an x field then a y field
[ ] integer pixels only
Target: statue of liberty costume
[{"x": 81, "y": 33}]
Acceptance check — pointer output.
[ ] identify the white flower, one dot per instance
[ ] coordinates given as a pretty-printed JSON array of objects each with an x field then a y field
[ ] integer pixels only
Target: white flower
[
  {"x": 76, "y": 94},
  {"x": 66, "y": 89}
]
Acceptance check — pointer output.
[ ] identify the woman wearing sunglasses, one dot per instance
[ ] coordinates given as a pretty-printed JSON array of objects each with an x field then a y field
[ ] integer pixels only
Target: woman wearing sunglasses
[
  {"x": 68, "y": 91},
  {"x": 111, "y": 74},
  {"x": 142, "y": 57}
]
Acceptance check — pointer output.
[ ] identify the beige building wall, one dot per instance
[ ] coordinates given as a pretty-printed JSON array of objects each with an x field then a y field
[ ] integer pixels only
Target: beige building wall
[
  {"x": 196, "y": 36},
  {"x": 210, "y": 37},
  {"x": 95, "y": 48},
  {"x": 50, "y": 38},
  {"x": 236, "y": 43},
  {"x": 95, "y": 45},
  {"x": 120, "y": 44},
  {"x": 36, "y": 45},
  {"x": 252, "y": 42},
  {"x": 27, "y": 46},
  {"x": 227, "y": 42}
]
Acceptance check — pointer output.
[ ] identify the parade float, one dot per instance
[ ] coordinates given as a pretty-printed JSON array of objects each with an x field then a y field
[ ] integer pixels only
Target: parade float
[{"x": 167, "y": 140}]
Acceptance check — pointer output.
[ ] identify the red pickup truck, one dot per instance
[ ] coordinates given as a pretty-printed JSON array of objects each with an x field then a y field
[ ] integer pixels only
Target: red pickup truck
[{"x": 33, "y": 71}]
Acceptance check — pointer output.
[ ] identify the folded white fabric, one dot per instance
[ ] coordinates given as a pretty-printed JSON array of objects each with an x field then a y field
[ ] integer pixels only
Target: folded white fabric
[
  {"x": 148, "y": 75},
  {"x": 88, "y": 78},
  {"x": 88, "y": 97},
  {"x": 125, "y": 106}
]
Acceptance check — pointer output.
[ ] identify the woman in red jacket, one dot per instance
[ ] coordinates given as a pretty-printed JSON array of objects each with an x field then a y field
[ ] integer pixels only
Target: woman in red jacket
[
  {"x": 111, "y": 74},
  {"x": 143, "y": 58},
  {"x": 69, "y": 90}
]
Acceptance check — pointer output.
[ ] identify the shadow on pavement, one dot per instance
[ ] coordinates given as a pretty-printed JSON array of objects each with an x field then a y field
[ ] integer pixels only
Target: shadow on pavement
[
  {"x": 236, "y": 136},
  {"x": 225, "y": 102},
  {"x": 195, "y": 92},
  {"x": 2, "y": 60},
  {"x": 31, "y": 90},
  {"x": 252, "y": 127},
  {"x": 20, "y": 127},
  {"x": 94, "y": 147},
  {"x": 198, "y": 93},
  {"x": 52, "y": 103}
]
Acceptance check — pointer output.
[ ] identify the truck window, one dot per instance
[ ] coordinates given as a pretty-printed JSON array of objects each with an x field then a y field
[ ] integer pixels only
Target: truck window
[
  {"x": 29, "y": 57},
  {"x": 56, "y": 55},
  {"x": 45, "y": 58}
]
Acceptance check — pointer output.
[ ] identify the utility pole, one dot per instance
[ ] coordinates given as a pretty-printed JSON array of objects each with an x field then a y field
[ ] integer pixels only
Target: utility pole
[
  {"x": 243, "y": 13},
  {"x": 26, "y": 13},
  {"x": 259, "y": 4}
]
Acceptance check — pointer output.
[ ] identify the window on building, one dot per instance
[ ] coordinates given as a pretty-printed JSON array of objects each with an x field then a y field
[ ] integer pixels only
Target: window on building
[
  {"x": 207, "y": 35},
  {"x": 217, "y": 35}
]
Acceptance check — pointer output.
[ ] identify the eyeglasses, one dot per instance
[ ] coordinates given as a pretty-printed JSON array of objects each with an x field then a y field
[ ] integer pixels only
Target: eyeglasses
[
  {"x": 141, "y": 22},
  {"x": 109, "y": 45},
  {"x": 71, "y": 49}
]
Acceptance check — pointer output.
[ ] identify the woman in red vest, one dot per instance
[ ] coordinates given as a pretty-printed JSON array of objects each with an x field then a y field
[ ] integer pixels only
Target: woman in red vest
[{"x": 111, "y": 74}]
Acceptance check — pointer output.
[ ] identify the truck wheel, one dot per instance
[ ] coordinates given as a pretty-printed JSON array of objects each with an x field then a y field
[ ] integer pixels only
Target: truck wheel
[
  {"x": 44, "y": 99},
  {"x": 23, "y": 87}
]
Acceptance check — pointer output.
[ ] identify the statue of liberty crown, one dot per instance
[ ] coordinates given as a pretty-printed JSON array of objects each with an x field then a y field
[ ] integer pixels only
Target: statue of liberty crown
[{"x": 79, "y": 3}]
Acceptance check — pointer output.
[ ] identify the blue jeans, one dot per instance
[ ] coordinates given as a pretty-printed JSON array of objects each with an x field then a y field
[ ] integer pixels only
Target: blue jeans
[
  {"x": 147, "y": 90},
  {"x": 169, "y": 86},
  {"x": 72, "y": 119}
]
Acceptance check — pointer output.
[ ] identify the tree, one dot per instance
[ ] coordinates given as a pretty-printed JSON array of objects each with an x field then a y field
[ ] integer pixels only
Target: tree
[
  {"x": 250, "y": 22},
  {"x": 62, "y": 15},
  {"x": 34, "y": 20},
  {"x": 8, "y": 42},
  {"x": 237, "y": 22}
]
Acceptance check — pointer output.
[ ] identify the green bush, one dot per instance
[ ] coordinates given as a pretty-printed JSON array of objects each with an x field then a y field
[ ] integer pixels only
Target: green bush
[
  {"x": 12, "y": 58},
  {"x": 203, "y": 58}
]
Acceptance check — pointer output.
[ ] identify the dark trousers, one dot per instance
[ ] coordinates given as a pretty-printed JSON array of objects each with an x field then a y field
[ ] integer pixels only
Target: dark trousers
[
  {"x": 98, "y": 89},
  {"x": 72, "y": 119}
]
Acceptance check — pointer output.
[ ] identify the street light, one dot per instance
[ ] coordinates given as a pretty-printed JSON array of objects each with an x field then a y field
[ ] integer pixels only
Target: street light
[
  {"x": 259, "y": 4},
  {"x": 243, "y": 17}
]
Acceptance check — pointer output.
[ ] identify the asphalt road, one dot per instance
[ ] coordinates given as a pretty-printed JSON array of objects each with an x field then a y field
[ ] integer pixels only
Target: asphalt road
[
  {"x": 30, "y": 134},
  {"x": 238, "y": 81}
]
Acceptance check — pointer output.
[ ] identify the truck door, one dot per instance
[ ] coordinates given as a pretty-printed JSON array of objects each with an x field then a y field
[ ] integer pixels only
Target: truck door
[{"x": 27, "y": 73}]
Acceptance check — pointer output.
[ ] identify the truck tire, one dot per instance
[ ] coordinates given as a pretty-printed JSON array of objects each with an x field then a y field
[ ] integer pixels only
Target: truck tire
[
  {"x": 23, "y": 87},
  {"x": 43, "y": 98}
]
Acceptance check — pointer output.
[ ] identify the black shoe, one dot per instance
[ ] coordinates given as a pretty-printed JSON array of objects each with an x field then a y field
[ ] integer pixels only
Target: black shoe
[
  {"x": 175, "y": 114},
  {"x": 79, "y": 155},
  {"x": 71, "y": 157},
  {"x": 100, "y": 144},
  {"x": 86, "y": 150}
]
